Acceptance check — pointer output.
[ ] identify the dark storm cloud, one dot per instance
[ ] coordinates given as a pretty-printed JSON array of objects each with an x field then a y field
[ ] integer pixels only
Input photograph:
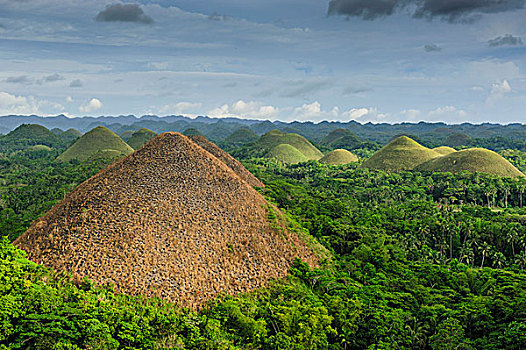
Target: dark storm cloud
[
  {"x": 507, "y": 39},
  {"x": 75, "y": 83},
  {"x": 123, "y": 13},
  {"x": 367, "y": 9},
  {"x": 22, "y": 79},
  {"x": 454, "y": 11},
  {"x": 432, "y": 48},
  {"x": 53, "y": 77}
]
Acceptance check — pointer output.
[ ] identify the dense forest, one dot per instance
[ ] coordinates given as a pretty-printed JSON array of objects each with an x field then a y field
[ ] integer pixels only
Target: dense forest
[{"x": 419, "y": 261}]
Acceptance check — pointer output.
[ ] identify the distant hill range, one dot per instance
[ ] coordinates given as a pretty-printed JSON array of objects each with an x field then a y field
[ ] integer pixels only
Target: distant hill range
[{"x": 344, "y": 135}]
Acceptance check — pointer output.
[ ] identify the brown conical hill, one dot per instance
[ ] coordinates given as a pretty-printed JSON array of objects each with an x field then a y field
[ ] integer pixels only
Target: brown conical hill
[
  {"x": 169, "y": 220},
  {"x": 226, "y": 158}
]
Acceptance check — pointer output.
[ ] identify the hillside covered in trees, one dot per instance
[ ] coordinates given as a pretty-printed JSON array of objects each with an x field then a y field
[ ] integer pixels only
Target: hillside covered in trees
[{"x": 418, "y": 259}]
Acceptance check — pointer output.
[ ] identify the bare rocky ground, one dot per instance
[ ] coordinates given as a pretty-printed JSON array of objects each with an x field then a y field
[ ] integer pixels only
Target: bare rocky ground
[{"x": 170, "y": 220}]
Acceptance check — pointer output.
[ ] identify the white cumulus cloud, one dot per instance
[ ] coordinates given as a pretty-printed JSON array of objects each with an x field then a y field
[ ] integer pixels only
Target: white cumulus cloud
[
  {"x": 242, "y": 109},
  {"x": 93, "y": 105}
]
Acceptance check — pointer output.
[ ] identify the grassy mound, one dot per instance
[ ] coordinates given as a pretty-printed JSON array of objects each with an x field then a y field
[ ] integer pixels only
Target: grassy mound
[
  {"x": 275, "y": 138},
  {"x": 444, "y": 150},
  {"x": 286, "y": 153},
  {"x": 140, "y": 137},
  {"x": 341, "y": 138},
  {"x": 339, "y": 157},
  {"x": 472, "y": 160},
  {"x": 192, "y": 131},
  {"x": 27, "y": 135},
  {"x": 38, "y": 148},
  {"x": 402, "y": 153},
  {"x": 93, "y": 142},
  {"x": 242, "y": 136}
]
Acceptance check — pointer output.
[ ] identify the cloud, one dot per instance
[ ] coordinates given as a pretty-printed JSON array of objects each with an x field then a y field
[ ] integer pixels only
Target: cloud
[
  {"x": 498, "y": 90},
  {"x": 302, "y": 88},
  {"x": 351, "y": 90},
  {"x": 11, "y": 104},
  {"x": 53, "y": 77},
  {"x": 26, "y": 105},
  {"x": 502, "y": 87},
  {"x": 446, "y": 113},
  {"x": 314, "y": 112},
  {"x": 123, "y": 13},
  {"x": 76, "y": 83},
  {"x": 453, "y": 11},
  {"x": 363, "y": 114},
  {"x": 242, "y": 109},
  {"x": 186, "y": 108},
  {"x": 69, "y": 99},
  {"x": 432, "y": 48},
  {"x": 22, "y": 79},
  {"x": 93, "y": 105},
  {"x": 411, "y": 114},
  {"x": 507, "y": 39}
]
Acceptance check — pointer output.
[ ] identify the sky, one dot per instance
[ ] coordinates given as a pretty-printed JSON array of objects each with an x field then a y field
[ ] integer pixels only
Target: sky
[{"x": 306, "y": 60}]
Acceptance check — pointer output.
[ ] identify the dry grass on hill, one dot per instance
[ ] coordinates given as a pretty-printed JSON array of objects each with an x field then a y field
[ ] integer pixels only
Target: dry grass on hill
[{"x": 170, "y": 220}]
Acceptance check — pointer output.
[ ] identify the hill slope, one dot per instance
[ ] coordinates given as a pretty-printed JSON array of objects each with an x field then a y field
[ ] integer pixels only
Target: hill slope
[
  {"x": 339, "y": 157},
  {"x": 275, "y": 137},
  {"x": 140, "y": 137},
  {"x": 287, "y": 154},
  {"x": 170, "y": 220},
  {"x": 402, "y": 153},
  {"x": 226, "y": 158},
  {"x": 27, "y": 135},
  {"x": 444, "y": 150},
  {"x": 95, "y": 141},
  {"x": 472, "y": 160},
  {"x": 242, "y": 136}
]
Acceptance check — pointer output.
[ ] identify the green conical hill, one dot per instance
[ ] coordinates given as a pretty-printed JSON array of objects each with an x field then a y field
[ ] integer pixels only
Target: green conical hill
[
  {"x": 275, "y": 138},
  {"x": 171, "y": 221},
  {"x": 242, "y": 136},
  {"x": 402, "y": 153},
  {"x": 192, "y": 131},
  {"x": 472, "y": 160},
  {"x": 140, "y": 137},
  {"x": 339, "y": 157},
  {"x": 287, "y": 154},
  {"x": 444, "y": 150},
  {"x": 93, "y": 142}
]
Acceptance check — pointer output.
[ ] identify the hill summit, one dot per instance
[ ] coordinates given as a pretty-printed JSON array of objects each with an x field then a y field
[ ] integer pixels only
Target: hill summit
[
  {"x": 170, "y": 220},
  {"x": 403, "y": 153},
  {"x": 98, "y": 141},
  {"x": 472, "y": 160},
  {"x": 140, "y": 137},
  {"x": 275, "y": 138},
  {"x": 226, "y": 158},
  {"x": 339, "y": 157}
]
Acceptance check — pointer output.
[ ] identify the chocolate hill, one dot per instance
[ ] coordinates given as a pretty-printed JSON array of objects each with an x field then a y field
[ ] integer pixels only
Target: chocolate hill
[
  {"x": 226, "y": 158},
  {"x": 98, "y": 142},
  {"x": 473, "y": 160},
  {"x": 170, "y": 220},
  {"x": 400, "y": 154}
]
